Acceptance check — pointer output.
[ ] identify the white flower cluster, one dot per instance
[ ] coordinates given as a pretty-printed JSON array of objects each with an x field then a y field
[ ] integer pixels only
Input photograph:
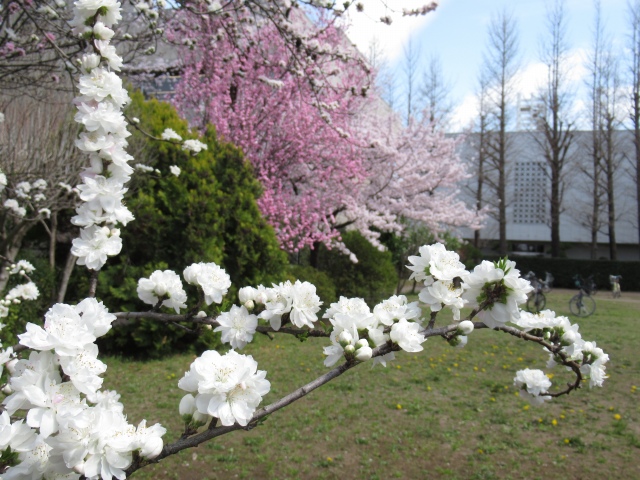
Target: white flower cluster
[
  {"x": 438, "y": 267},
  {"x": 229, "y": 387},
  {"x": 25, "y": 291},
  {"x": 592, "y": 358},
  {"x": 163, "y": 285},
  {"x": 498, "y": 287},
  {"x": 167, "y": 286},
  {"x": 532, "y": 385},
  {"x": 211, "y": 278},
  {"x": 356, "y": 329},
  {"x": 299, "y": 300},
  {"x": 100, "y": 102},
  {"x": 24, "y": 192},
  {"x": 72, "y": 428}
]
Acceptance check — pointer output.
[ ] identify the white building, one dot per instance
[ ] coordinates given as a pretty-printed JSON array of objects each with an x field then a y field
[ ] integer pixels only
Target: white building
[{"x": 528, "y": 194}]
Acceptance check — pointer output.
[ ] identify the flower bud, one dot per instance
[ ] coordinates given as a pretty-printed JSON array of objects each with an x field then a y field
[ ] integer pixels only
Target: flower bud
[
  {"x": 249, "y": 305},
  {"x": 152, "y": 447},
  {"x": 364, "y": 353},
  {"x": 570, "y": 336},
  {"x": 362, "y": 343},
  {"x": 246, "y": 294},
  {"x": 7, "y": 390},
  {"x": 200, "y": 418},
  {"x": 11, "y": 366},
  {"x": 465, "y": 327},
  {"x": 349, "y": 349},
  {"x": 187, "y": 405},
  {"x": 102, "y": 32},
  {"x": 345, "y": 338},
  {"x": 462, "y": 341},
  {"x": 90, "y": 61}
]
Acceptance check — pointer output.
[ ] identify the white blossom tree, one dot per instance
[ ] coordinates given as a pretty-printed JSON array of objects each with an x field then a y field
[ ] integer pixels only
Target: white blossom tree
[{"x": 68, "y": 427}]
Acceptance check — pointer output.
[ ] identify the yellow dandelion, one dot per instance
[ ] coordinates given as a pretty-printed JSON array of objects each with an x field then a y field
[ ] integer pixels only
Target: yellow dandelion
[
  {"x": 483, "y": 369},
  {"x": 480, "y": 451},
  {"x": 617, "y": 416},
  {"x": 399, "y": 407},
  {"x": 493, "y": 399},
  {"x": 329, "y": 459},
  {"x": 562, "y": 417},
  {"x": 540, "y": 420},
  {"x": 550, "y": 376},
  {"x": 554, "y": 422},
  {"x": 475, "y": 369},
  {"x": 525, "y": 408},
  {"x": 428, "y": 389},
  {"x": 455, "y": 364},
  {"x": 567, "y": 441},
  {"x": 520, "y": 359}
]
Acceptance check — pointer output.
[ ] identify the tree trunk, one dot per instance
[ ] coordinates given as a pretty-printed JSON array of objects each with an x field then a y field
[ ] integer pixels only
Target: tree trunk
[
  {"x": 66, "y": 275},
  {"x": 314, "y": 255}
]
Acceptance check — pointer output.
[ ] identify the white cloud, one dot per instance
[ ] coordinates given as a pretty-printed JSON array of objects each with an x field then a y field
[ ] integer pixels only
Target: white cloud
[
  {"x": 366, "y": 25},
  {"x": 528, "y": 82}
]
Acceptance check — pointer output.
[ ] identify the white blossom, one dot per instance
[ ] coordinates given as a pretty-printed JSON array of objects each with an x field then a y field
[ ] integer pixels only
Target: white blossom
[
  {"x": 533, "y": 384},
  {"x": 229, "y": 387},
  {"x": 394, "y": 308},
  {"x": 164, "y": 285},
  {"x": 170, "y": 134},
  {"x": 213, "y": 280},
  {"x": 237, "y": 326},
  {"x": 194, "y": 146},
  {"x": 305, "y": 303},
  {"x": 95, "y": 245},
  {"x": 406, "y": 335}
]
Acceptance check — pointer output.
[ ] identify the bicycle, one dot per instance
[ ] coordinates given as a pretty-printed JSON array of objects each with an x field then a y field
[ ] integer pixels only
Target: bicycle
[
  {"x": 582, "y": 305},
  {"x": 615, "y": 285},
  {"x": 537, "y": 301}
]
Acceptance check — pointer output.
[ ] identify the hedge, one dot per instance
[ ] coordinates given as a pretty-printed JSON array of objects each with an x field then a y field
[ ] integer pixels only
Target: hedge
[{"x": 564, "y": 269}]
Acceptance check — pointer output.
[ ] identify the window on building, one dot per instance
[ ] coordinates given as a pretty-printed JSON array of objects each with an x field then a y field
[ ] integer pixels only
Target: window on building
[{"x": 530, "y": 186}]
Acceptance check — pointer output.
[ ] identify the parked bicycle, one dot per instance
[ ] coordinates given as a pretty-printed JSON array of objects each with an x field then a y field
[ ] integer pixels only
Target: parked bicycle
[
  {"x": 536, "y": 301},
  {"x": 582, "y": 304},
  {"x": 615, "y": 285}
]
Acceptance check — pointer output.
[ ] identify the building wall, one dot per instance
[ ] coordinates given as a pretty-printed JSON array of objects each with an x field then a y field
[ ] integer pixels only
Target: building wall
[{"x": 528, "y": 193}]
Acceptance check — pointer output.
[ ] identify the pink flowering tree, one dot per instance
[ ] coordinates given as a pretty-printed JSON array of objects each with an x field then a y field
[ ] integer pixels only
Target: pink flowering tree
[
  {"x": 327, "y": 150},
  {"x": 289, "y": 114},
  {"x": 58, "y": 422}
]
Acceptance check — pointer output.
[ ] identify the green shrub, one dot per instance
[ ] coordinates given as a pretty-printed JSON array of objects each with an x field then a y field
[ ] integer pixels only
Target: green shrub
[
  {"x": 374, "y": 276},
  {"x": 564, "y": 269},
  {"x": 206, "y": 214}
]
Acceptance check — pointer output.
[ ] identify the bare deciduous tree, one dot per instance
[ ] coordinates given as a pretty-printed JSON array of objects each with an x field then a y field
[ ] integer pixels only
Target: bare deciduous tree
[
  {"x": 634, "y": 71},
  {"x": 553, "y": 120},
  {"x": 37, "y": 141},
  {"x": 436, "y": 94},
  {"x": 500, "y": 68}
]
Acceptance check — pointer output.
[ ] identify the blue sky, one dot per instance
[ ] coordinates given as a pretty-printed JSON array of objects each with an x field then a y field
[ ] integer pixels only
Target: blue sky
[{"x": 457, "y": 33}]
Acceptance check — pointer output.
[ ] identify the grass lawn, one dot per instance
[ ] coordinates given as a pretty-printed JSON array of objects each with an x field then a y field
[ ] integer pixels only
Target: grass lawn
[{"x": 444, "y": 413}]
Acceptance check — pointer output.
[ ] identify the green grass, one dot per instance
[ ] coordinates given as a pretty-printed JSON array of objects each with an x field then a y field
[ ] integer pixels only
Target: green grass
[{"x": 444, "y": 413}]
